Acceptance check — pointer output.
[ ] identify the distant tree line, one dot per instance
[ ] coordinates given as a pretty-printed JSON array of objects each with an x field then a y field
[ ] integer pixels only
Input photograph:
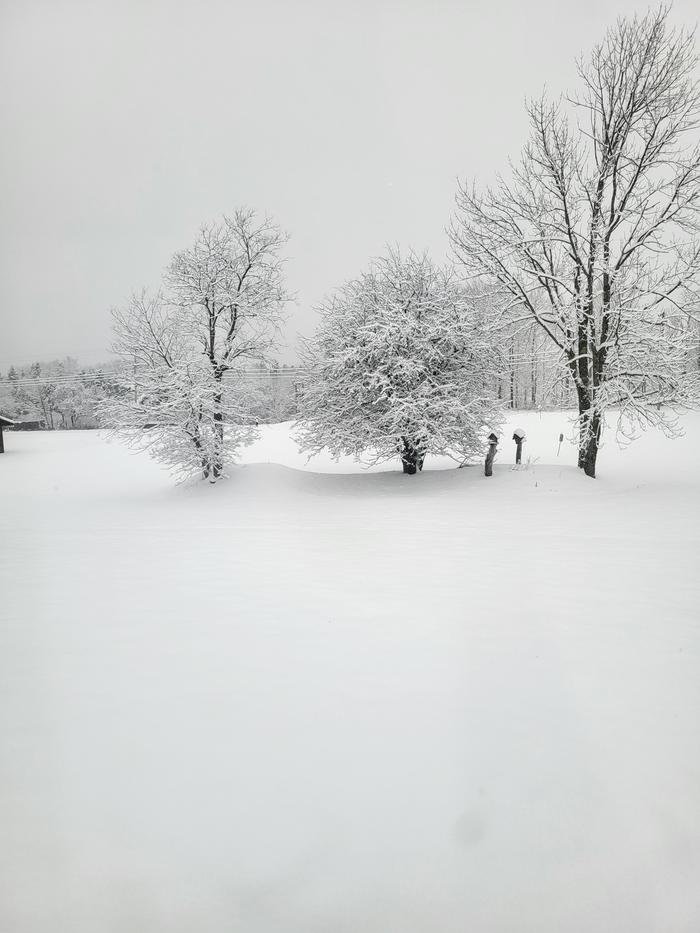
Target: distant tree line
[
  {"x": 56, "y": 395},
  {"x": 62, "y": 395}
]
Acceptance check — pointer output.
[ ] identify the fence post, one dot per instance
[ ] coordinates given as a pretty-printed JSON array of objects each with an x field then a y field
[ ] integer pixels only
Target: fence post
[
  {"x": 518, "y": 437},
  {"x": 493, "y": 444}
]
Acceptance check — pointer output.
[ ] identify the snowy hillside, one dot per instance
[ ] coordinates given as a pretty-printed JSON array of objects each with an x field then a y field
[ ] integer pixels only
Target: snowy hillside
[{"x": 320, "y": 698}]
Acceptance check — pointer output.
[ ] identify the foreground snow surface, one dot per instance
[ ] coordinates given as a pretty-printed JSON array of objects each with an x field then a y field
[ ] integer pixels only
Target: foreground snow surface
[{"x": 330, "y": 701}]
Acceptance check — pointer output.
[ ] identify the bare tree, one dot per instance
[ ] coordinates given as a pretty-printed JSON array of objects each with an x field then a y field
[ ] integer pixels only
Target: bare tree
[
  {"x": 221, "y": 305},
  {"x": 595, "y": 234},
  {"x": 230, "y": 290}
]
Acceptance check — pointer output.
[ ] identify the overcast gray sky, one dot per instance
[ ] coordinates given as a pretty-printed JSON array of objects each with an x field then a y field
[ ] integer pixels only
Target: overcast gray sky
[{"x": 127, "y": 124}]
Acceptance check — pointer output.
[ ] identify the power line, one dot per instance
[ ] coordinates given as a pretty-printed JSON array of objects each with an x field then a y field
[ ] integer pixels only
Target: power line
[{"x": 66, "y": 379}]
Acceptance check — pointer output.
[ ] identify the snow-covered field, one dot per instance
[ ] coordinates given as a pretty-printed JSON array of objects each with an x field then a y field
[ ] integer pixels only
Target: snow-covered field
[{"x": 343, "y": 701}]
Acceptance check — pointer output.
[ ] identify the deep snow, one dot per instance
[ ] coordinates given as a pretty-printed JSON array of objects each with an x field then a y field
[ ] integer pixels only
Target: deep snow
[{"x": 313, "y": 698}]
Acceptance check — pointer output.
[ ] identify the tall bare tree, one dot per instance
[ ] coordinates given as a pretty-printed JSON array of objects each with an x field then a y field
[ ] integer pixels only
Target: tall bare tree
[
  {"x": 221, "y": 303},
  {"x": 595, "y": 234},
  {"x": 230, "y": 289}
]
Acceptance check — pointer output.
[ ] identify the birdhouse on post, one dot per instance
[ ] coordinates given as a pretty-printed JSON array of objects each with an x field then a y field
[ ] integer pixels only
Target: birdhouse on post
[
  {"x": 518, "y": 437},
  {"x": 493, "y": 444},
  {"x": 4, "y": 423}
]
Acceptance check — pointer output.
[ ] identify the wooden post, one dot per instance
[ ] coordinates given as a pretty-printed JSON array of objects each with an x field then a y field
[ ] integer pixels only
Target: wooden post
[
  {"x": 2, "y": 445},
  {"x": 518, "y": 437},
  {"x": 493, "y": 444}
]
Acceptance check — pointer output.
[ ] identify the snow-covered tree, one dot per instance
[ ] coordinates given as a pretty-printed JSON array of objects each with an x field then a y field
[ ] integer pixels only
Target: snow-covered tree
[
  {"x": 62, "y": 393},
  {"x": 33, "y": 392},
  {"x": 398, "y": 367},
  {"x": 7, "y": 401},
  {"x": 595, "y": 235},
  {"x": 166, "y": 399},
  {"x": 220, "y": 306}
]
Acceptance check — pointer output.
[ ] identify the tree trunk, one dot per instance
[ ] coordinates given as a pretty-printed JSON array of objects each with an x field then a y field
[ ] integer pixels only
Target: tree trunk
[
  {"x": 589, "y": 441},
  {"x": 206, "y": 465},
  {"x": 412, "y": 456},
  {"x": 217, "y": 465},
  {"x": 533, "y": 373},
  {"x": 512, "y": 377}
]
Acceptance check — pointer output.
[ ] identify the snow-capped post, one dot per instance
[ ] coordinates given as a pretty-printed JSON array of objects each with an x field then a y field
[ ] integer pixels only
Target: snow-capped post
[
  {"x": 493, "y": 444},
  {"x": 518, "y": 437}
]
